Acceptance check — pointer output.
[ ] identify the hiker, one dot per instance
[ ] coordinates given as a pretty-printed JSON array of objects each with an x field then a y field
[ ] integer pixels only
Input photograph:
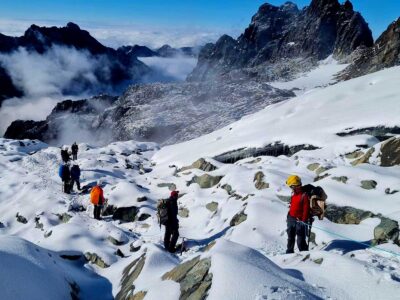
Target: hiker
[
  {"x": 65, "y": 155},
  {"x": 172, "y": 224},
  {"x": 74, "y": 149},
  {"x": 65, "y": 175},
  {"x": 75, "y": 175},
  {"x": 298, "y": 215},
  {"x": 97, "y": 199}
]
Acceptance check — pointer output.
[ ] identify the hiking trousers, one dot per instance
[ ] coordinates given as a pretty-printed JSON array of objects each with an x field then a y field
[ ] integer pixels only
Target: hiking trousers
[
  {"x": 67, "y": 186},
  {"x": 295, "y": 230},
  {"x": 74, "y": 156},
  {"x": 171, "y": 236},
  {"x": 97, "y": 211},
  {"x": 78, "y": 184}
]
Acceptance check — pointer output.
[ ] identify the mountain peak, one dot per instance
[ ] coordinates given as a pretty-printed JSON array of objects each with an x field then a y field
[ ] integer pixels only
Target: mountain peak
[{"x": 73, "y": 26}]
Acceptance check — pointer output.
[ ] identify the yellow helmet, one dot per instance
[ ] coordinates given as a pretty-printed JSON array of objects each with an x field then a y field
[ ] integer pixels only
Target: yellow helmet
[{"x": 293, "y": 180}]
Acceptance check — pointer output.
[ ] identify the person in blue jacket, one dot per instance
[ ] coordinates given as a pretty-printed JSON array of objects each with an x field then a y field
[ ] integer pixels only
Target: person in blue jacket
[
  {"x": 75, "y": 176},
  {"x": 65, "y": 174}
]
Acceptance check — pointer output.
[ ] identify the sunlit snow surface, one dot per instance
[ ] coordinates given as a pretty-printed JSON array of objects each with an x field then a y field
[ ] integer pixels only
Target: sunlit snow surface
[{"x": 248, "y": 260}]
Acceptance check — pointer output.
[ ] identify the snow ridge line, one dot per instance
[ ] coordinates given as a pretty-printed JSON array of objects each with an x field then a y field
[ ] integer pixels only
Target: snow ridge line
[{"x": 350, "y": 239}]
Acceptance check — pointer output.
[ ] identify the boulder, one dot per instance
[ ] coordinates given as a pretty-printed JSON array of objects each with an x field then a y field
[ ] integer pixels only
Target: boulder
[
  {"x": 143, "y": 217},
  {"x": 125, "y": 214},
  {"x": 342, "y": 179},
  {"x": 259, "y": 181},
  {"x": 129, "y": 275},
  {"x": 238, "y": 218},
  {"x": 313, "y": 167},
  {"x": 390, "y": 152},
  {"x": 139, "y": 295},
  {"x": 363, "y": 159},
  {"x": 194, "y": 278},
  {"x": 170, "y": 186},
  {"x": 346, "y": 214},
  {"x": 135, "y": 246},
  {"x": 183, "y": 212},
  {"x": 205, "y": 181},
  {"x": 354, "y": 155},
  {"x": 368, "y": 184},
  {"x": 64, "y": 218},
  {"x": 212, "y": 206},
  {"x": 387, "y": 230},
  {"x": 95, "y": 259},
  {"x": 21, "y": 219},
  {"x": 200, "y": 164},
  {"x": 388, "y": 191},
  {"x": 141, "y": 199},
  {"x": 228, "y": 188}
]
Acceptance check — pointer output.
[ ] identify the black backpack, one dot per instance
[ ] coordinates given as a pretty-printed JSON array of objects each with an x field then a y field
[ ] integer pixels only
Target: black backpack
[
  {"x": 162, "y": 211},
  {"x": 318, "y": 198}
]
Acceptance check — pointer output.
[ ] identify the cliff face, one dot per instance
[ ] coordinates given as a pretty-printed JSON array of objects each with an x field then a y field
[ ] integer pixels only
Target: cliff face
[
  {"x": 384, "y": 54},
  {"x": 277, "y": 35}
]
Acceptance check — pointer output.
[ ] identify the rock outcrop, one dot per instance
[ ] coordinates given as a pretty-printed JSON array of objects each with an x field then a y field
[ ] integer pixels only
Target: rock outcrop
[
  {"x": 281, "y": 41},
  {"x": 205, "y": 181},
  {"x": 129, "y": 275},
  {"x": 384, "y": 54}
]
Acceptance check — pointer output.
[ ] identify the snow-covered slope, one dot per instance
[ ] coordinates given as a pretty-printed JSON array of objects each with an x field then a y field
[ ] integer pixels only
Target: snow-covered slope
[
  {"x": 232, "y": 215},
  {"x": 314, "y": 118}
]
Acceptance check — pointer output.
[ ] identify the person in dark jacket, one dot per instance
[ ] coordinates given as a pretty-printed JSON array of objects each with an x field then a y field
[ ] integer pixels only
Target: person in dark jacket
[
  {"x": 298, "y": 216},
  {"x": 75, "y": 175},
  {"x": 74, "y": 149},
  {"x": 172, "y": 226},
  {"x": 66, "y": 178},
  {"x": 65, "y": 155}
]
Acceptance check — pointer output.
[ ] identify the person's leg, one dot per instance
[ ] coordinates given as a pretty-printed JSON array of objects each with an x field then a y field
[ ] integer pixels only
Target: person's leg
[
  {"x": 66, "y": 187},
  {"x": 167, "y": 236},
  {"x": 291, "y": 232},
  {"x": 78, "y": 184},
  {"x": 301, "y": 236},
  {"x": 97, "y": 209},
  {"x": 174, "y": 239}
]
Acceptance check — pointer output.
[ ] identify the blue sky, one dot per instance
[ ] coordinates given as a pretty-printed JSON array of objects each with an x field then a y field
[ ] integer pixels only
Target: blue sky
[{"x": 203, "y": 17}]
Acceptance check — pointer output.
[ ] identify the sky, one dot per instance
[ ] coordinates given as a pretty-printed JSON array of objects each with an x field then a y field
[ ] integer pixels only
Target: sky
[{"x": 156, "y": 22}]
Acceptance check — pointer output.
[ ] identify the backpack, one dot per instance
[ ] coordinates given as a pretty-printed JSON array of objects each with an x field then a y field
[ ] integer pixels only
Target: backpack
[
  {"x": 64, "y": 172},
  {"x": 95, "y": 195},
  {"x": 318, "y": 198},
  {"x": 162, "y": 211}
]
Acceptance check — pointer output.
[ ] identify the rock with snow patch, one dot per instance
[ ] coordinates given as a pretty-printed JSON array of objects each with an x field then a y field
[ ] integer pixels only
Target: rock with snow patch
[
  {"x": 64, "y": 218},
  {"x": 170, "y": 186},
  {"x": 194, "y": 278},
  {"x": 200, "y": 164},
  {"x": 238, "y": 218},
  {"x": 342, "y": 179},
  {"x": 390, "y": 152},
  {"x": 368, "y": 184},
  {"x": 96, "y": 260},
  {"x": 143, "y": 217},
  {"x": 259, "y": 182},
  {"x": 126, "y": 214},
  {"x": 212, "y": 206},
  {"x": 183, "y": 212},
  {"x": 205, "y": 181},
  {"x": 363, "y": 159},
  {"x": 387, "y": 230},
  {"x": 21, "y": 219},
  {"x": 129, "y": 275},
  {"x": 346, "y": 214}
]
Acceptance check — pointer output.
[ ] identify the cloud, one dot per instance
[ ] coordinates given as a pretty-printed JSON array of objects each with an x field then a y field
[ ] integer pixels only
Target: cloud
[
  {"x": 171, "y": 69},
  {"x": 48, "y": 78},
  {"x": 116, "y": 35}
]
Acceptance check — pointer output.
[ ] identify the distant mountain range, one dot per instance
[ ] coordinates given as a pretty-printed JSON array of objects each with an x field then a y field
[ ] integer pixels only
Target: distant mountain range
[
  {"x": 123, "y": 64},
  {"x": 231, "y": 77}
]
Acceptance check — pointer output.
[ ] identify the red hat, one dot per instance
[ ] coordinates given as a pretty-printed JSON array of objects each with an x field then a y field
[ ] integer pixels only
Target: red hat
[{"x": 174, "y": 194}]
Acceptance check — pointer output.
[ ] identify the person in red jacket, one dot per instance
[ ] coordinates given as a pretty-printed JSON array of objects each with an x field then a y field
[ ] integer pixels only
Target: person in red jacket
[{"x": 299, "y": 214}]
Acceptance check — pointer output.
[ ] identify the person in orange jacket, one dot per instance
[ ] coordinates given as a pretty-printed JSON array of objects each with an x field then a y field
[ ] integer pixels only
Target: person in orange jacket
[
  {"x": 298, "y": 215},
  {"x": 97, "y": 199}
]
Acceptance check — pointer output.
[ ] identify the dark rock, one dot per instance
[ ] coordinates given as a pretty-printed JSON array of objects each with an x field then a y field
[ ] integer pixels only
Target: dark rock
[
  {"x": 200, "y": 164},
  {"x": 342, "y": 179},
  {"x": 71, "y": 257},
  {"x": 137, "y": 51},
  {"x": 21, "y": 219},
  {"x": 95, "y": 259},
  {"x": 134, "y": 247},
  {"x": 228, "y": 188},
  {"x": 119, "y": 253},
  {"x": 141, "y": 199},
  {"x": 125, "y": 214},
  {"x": 368, "y": 184},
  {"x": 384, "y": 54},
  {"x": 129, "y": 275},
  {"x": 109, "y": 211},
  {"x": 387, "y": 230},
  {"x": 48, "y": 233},
  {"x": 318, "y": 260},
  {"x": 193, "y": 276},
  {"x": 38, "y": 225},
  {"x": 212, "y": 206},
  {"x": 64, "y": 217},
  {"x": 346, "y": 214},
  {"x": 259, "y": 181},
  {"x": 280, "y": 36},
  {"x": 205, "y": 181},
  {"x": 275, "y": 149},
  {"x": 390, "y": 192},
  {"x": 390, "y": 152},
  {"x": 144, "y": 217},
  {"x": 238, "y": 218}
]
